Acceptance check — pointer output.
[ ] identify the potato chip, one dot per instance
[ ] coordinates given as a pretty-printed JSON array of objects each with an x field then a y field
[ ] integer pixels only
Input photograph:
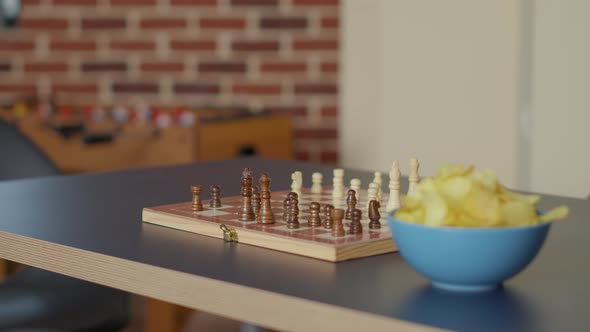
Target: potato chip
[{"x": 461, "y": 196}]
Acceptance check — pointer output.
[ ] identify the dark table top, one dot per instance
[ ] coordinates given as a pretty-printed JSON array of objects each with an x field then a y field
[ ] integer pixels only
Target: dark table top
[{"x": 102, "y": 213}]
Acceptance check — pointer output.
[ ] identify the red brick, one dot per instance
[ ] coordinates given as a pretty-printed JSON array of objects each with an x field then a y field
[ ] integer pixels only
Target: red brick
[
  {"x": 194, "y": 88},
  {"x": 163, "y": 23},
  {"x": 302, "y": 155},
  {"x": 315, "y": 44},
  {"x": 135, "y": 87},
  {"x": 316, "y": 2},
  {"x": 257, "y": 89},
  {"x": 316, "y": 89},
  {"x": 193, "y": 2},
  {"x": 133, "y": 2},
  {"x": 43, "y": 23},
  {"x": 162, "y": 66},
  {"x": 104, "y": 23},
  {"x": 255, "y": 45},
  {"x": 222, "y": 23},
  {"x": 75, "y": 88},
  {"x": 329, "y": 111},
  {"x": 330, "y": 22},
  {"x": 283, "y": 22},
  {"x": 30, "y": 2},
  {"x": 283, "y": 67},
  {"x": 103, "y": 66},
  {"x": 5, "y": 66},
  {"x": 45, "y": 67},
  {"x": 254, "y": 2},
  {"x": 16, "y": 45},
  {"x": 74, "y": 2},
  {"x": 316, "y": 133},
  {"x": 222, "y": 67},
  {"x": 72, "y": 45},
  {"x": 292, "y": 110},
  {"x": 329, "y": 157},
  {"x": 18, "y": 88},
  {"x": 329, "y": 67},
  {"x": 193, "y": 45},
  {"x": 133, "y": 45}
]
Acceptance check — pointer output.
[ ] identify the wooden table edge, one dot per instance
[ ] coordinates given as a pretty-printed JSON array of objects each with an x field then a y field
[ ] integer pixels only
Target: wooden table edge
[{"x": 271, "y": 310}]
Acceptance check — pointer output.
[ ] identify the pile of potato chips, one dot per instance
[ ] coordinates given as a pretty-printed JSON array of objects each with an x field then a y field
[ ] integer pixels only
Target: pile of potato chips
[{"x": 460, "y": 196}]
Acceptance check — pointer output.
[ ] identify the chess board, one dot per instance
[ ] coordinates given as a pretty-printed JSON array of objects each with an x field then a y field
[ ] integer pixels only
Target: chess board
[{"x": 316, "y": 242}]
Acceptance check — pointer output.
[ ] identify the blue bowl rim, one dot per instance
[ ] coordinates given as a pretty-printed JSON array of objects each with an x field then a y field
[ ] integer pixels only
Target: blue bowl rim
[{"x": 472, "y": 229}]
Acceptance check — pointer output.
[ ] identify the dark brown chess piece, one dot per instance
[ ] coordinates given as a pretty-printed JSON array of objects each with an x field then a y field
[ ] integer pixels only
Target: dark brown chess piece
[
  {"x": 293, "y": 217},
  {"x": 215, "y": 201},
  {"x": 255, "y": 200},
  {"x": 328, "y": 220},
  {"x": 338, "y": 228},
  {"x": 351, "y": 202},
  {"x": 287, "y": 205},
  {"x": 265, "y": 215},
  {"x": 374, "y": 214},
  {"x": 314, "y": 215},
  {"x": 355, "y": 225},
  {"x": 246, "y": 210},
  {"x": 196, "y": 205}
]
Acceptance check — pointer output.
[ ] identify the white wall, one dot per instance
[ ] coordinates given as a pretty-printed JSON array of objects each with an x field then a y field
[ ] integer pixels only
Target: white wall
[
  {"x": 439, "y": 80},
  {"x": 560, "y": 156}
]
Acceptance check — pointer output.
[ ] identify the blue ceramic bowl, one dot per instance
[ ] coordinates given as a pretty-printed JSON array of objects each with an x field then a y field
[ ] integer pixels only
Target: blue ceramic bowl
[{"x": 467, "y": 259}]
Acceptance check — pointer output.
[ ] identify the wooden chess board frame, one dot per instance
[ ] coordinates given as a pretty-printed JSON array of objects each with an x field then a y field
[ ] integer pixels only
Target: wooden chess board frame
[{"x": 315, "y": 242}]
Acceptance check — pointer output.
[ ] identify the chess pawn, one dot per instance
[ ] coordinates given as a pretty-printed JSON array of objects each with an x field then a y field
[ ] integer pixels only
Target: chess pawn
[
  {"x": 215, "y": 201},
  {"x": 196, "y": 204},
  {"x": 246, "y": 210},
  {"x": 355, "y": 184},
  {"x": 338, "y": 227},
  {"x": 255, "y": 200},
  {"x": 314, "y": 215},
  {"x": 371, "y": 193},
  {"x": 394, "y": 185},
  {"x": 351, "y": 203},
  {"x": 338, "y": 183},
  {"x": 378, "y": 179},
  {"x": 328, "y": 220},
  {"x": 316, "y": 180},
  {"x": 265, "y": 215},
  {"x": 286, "y": 207},
  {"x": 296, "y": 183},
  {"x": 355, "y": 225},
  {"x": 374, "y": 215},
  {"x": 293, "y": 217}
]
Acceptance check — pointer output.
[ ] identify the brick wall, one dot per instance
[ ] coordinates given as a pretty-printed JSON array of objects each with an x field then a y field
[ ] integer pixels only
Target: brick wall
[{"x": 280, "y": 55}]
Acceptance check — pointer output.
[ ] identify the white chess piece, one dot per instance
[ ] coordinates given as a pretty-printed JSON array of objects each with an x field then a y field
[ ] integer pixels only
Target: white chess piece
[
  {"x": 394, "y": 176},
  {"x": 372, "y": 193},
  {"x": 413, "y": 178},
  {"x": 296, "y": 183},
  {"x": 379, "y": 181},
  {"x": 338, "y": 184},
  {"x": 316, "y": 180},
  {"x": 355, "y": 184}
]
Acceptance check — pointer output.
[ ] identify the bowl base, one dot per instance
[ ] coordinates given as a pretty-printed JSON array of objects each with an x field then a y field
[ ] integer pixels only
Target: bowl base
[{"x": 465, "y": 288}]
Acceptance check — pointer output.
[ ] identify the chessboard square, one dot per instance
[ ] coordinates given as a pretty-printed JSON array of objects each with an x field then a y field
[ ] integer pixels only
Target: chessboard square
[
  {"x": 228, "y": 216},
  {"x": 262, "y": 227},
  {"x": 310, "y": 231},
  {"x": 211, "y": 213}
]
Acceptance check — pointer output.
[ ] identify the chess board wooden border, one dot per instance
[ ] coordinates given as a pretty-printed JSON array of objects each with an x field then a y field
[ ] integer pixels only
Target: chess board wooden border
[{"x": 162, "y": 216}]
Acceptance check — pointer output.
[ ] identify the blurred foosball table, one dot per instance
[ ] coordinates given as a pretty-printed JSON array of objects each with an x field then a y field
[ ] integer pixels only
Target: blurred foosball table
[{"x": 108, "y": 146}]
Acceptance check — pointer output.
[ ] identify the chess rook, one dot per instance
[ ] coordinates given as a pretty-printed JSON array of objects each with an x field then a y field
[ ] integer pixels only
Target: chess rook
[
  {"x": 328, "y": 220},
  {"x": 246, "y": 209},
  {"x": 196, "y": 204},
  {"x": 338, "y": 227},
  {"x": 351, "y": 203},
  {"x": 215, "y": 201},
  {"x": 293, "y": 217},
  {"x": 374, "y": 215},
  {"x": 314, "y": 215},
  {"x": 265, "y": 215},
  {"x": 355, "y": 225}
]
